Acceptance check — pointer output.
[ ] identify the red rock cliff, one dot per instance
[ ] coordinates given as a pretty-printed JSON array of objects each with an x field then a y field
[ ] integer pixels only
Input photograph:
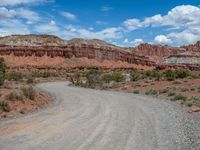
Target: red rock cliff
[
  {"x": 47, "y": 46},
  {"x": 156, "y": 51},
  {"x": 77, "y": 51},
  {"x": 193, "y": 47}
]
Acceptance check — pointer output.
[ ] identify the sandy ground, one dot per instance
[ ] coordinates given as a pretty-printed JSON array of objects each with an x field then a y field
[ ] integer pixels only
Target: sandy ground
[{"x": 85, "y": 119}]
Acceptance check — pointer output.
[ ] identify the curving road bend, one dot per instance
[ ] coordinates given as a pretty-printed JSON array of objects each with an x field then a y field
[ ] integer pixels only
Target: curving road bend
[{"x": 85, "y": 119}]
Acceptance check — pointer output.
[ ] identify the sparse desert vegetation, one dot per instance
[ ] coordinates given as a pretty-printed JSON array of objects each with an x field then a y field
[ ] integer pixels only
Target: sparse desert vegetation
[
  {"x": 181, "y": 86},
  {"x": 17, "y": 94},
  {"x": 151, "y": 92}
]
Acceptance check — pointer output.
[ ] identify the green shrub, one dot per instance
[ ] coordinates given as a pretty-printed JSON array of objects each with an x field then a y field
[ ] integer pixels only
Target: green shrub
[
  {"x": 3, "y": 103},
  {"x": 136, "y": 92},
  {"x": 14, "y": 96},
  {"x": 169, "y": 75},
  {"x": 155, "y": 74},
  {"x": 179, "y": 97},
  {"x": 171, "y": 93},
  {"x": 93, "y": 73},
  {"x": 2, "y": 71},
  {"x": 30, "y": 79},
  {"x": 16, "y": 76},
  {"x": 151, "y": 92},
  {"x": 5, "y": 106},
  {"x": 135, "y": 76},
  {"x": 2, "y": 78},
  {"x": 163, "y": 91},
  {"x": 93, "y": 77},
  {"x": 188, "y": 103},
  {"x": 44, "y": 74},
  {"x": 76, "y": 79},
  {"x": 29, "y": 92},
  {"x": 106, "y": 77},
  {"x": 117, "y": 77},
  {"x": 196, "y": 101},
  {"x": 181, "y": 73}
]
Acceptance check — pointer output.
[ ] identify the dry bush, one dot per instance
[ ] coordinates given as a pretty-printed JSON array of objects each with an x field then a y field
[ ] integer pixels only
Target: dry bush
[
  {"x": 15, "y": 96},
  {"x": 29, "y": 92}
]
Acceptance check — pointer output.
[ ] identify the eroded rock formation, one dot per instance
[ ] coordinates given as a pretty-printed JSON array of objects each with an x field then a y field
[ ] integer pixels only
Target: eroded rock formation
[
  {"x": 47, "y": 50},
  {"x": 193, "y": 47},
  {"x": 188, "y": 60},
  {"x": 178, "y": 66},
  {"x": 87, "y": 51},
  {"x": 156, "y": 52}
]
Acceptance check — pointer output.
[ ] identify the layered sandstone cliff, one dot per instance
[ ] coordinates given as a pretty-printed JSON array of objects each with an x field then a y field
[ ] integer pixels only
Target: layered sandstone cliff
[
  {"x": 41, "y": 46},
  {"x": 43, "y": 51},
  {"x": 190, "y": 59},
  {"x": 75, "y": 51},
  {"x": 193, "y": 47},
  {"x": 156, "y": 52}
]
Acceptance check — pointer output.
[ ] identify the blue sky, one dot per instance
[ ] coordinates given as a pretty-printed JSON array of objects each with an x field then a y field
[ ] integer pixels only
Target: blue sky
[{"x": 125, "y": 23}]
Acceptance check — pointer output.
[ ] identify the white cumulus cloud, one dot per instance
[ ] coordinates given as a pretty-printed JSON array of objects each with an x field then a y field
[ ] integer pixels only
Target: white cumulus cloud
[
  {"x": 69, "y": 15},
  {"x": 48, "y": 28},
  {"x": 162, "y": 39},
  {"x": 137, "y": 42},
  {"x": 184, "y": 20},
  {"x": 71, "y": 31},
  {"x": 134, "y": 43},
  {"x": 105, "y": 34},
  {"x": 126, "y": 41},
  {"x": 181, "y": 16},
  {"x": 18, "y": 2},
  {"x": 184, "y": 37},
  {"x": 28, "y": 14},
  {"x": 132, "y": 24},
  {"x": 6, "y": 13},
  {"x": 12, "y": 26}
]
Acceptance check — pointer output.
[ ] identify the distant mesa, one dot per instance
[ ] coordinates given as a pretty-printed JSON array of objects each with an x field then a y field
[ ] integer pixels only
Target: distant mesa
[{"x": 35, "y": 51}]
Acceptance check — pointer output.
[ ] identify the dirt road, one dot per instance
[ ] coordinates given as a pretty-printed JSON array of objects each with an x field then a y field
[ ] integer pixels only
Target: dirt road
[{"x": 84, "y": 119}]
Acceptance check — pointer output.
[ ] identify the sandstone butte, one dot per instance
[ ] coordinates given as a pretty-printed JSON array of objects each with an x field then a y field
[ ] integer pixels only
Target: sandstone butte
[{"x": 50, "y": 53}]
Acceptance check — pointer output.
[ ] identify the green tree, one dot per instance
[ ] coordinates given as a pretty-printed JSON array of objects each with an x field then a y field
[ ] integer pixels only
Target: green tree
[{"x": 2, "y": 71}]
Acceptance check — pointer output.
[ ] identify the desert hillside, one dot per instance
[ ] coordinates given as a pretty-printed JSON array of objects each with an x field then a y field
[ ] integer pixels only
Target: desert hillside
[
  {"x": 32, "y": 40},
  {"x": 47, "y": 51}
]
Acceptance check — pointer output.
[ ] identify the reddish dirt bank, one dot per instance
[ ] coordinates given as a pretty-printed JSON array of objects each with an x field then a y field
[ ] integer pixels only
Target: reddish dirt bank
[
  {"x": 46, "y": 63},
  {"x": 13, "y": 107}
]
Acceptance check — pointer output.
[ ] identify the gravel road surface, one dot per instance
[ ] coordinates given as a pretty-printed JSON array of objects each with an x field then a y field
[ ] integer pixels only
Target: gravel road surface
[{"x": 85, "y": 119}]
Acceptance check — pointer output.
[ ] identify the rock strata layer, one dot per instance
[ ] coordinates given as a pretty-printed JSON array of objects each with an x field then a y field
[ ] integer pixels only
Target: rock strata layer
[{"x": 42, "y": 48}]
